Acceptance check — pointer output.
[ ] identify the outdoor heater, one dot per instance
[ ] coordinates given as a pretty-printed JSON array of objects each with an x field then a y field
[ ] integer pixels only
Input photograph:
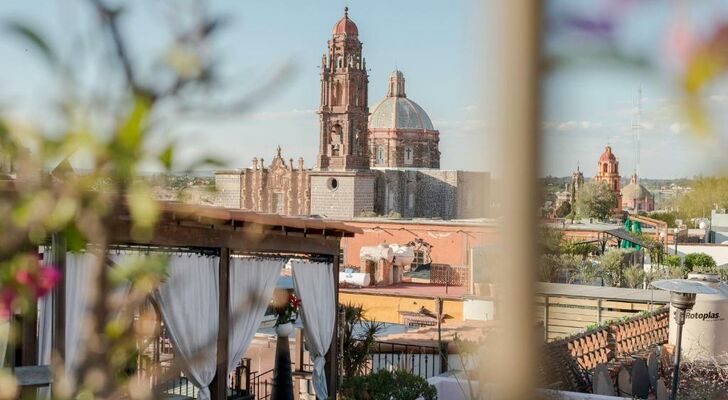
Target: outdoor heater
[{"x": 682, "y": 298}]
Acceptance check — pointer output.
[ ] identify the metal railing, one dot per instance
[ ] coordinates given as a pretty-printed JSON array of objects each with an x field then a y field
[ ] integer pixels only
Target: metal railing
[
  {"x": 239, "y": 384},
  {"x": 425, "y": 361},
  {"x": 262, "y": 383}
]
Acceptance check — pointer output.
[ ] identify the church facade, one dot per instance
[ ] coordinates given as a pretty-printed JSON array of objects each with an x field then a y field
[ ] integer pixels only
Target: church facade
[{"x": 381, "y": 163}]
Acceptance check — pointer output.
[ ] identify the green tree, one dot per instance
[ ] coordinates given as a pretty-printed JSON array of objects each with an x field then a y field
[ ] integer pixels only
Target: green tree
[
  {"x": 551, "y": 240},
  {"x": 358, "y": 342},
  {"x": 672, "y": 260},
  {"x": 667, "y": 217},
  {"x": 612, "y": 264},
  {"x": 699, "y": 262},
  {"x": 706, "y": 194},
  {"x": 557, "y": 267},
  {"x": 595, "y": 201},
  {"x": 588, "y": 272},
  {"x": 389, "y": 385},
  {"x": 563, "y": 210},
  {"x": 634, "y": 277},
  {"x": 549, "y": 268},
  {"x": 580, "y": 248}
]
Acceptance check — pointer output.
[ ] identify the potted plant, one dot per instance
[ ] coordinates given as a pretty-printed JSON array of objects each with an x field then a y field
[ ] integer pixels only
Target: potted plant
[{"x": 286, "y": 314}]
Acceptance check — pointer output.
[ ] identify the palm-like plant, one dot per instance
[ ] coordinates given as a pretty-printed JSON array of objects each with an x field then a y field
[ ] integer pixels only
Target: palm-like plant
[{"x": 358, "y": 338}]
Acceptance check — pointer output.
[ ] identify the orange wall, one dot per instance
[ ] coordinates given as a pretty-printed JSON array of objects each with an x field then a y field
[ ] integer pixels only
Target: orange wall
[{"x": 451, "y": 243}]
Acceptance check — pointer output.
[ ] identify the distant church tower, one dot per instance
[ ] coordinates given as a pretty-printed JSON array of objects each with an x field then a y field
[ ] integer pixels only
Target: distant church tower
[
  {"x": 577, "y": 181},
  {"x": 342, "y": 186},
  {"x": 608, "y": 172},
  {"x": 343, "y": 139}
]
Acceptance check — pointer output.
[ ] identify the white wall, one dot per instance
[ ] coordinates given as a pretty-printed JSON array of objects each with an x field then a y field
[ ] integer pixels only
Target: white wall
[{"x": 478, "y": 309}]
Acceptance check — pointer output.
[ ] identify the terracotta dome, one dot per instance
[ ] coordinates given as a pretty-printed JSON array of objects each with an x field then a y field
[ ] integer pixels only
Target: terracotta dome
[
  {"x": 635, "y": 191},
  {"x": 345, "y": 25},
  {"x": 607, "y": 155}
]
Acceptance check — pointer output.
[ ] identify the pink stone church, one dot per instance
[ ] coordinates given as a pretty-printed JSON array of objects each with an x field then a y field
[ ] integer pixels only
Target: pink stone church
[{"x": 379, "y": 161}]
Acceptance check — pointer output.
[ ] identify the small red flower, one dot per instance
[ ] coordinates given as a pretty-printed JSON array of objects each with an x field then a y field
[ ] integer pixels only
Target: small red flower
[
  {"x": 48, "y": 277},
  {"x": 24, "y": 277}
]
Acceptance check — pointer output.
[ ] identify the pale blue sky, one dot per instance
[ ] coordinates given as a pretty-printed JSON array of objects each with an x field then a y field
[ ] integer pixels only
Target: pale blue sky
[
  {"x": 589, "y": 103},
  {"x": 435, "y": 43}
]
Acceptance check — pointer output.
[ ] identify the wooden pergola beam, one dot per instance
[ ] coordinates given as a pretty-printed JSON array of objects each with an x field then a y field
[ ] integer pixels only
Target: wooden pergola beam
[{"x": 254, "y": 241}]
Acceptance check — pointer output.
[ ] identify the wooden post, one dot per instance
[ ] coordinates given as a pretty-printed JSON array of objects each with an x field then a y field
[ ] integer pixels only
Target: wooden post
[
  {"x": 218, "y": 387},
  {"x": 58, "y": 254},
  {"x": 546, "y": 318},
  {"x": 332, "y": 370},
  {"x": 299, "y": 350},
  {"x": 599, "y": 311}
]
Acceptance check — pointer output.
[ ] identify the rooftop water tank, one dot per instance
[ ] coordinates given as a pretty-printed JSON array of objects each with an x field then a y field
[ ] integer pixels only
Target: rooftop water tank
[
  {"x": 355, "y": 278},
  {"x": 403, "y": 255},
  {"x": 705, "y": 334},
  {"x": 376, "y": 253}
]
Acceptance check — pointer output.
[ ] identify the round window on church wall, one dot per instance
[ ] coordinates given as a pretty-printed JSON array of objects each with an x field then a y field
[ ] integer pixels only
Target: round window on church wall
[{"x": 333, "y": 183}]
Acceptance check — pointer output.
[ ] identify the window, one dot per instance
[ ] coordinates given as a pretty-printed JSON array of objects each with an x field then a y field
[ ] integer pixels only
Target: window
[
  {"x": 409, "y": 155},
  {"x": 340, "y": 62},
  {"x": 419, "y": 257},
  {"x": 332, "y": 183},
  {"x": 380, "y": 155}
]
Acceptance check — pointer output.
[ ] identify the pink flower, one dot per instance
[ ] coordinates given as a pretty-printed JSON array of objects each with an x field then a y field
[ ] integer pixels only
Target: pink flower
[
  {"x": 48, "y": 277},
  {"x": 23, "y": 277},
  {"x": 7, "y": 297}
]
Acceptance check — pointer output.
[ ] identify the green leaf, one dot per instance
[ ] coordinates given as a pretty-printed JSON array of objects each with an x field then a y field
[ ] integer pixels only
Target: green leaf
[
  {"x": 75, "y": 240},
  {"x": 28, "y": 34},
  {"x": 130, "y": 133},
  {"x": 166, "y": 157}
]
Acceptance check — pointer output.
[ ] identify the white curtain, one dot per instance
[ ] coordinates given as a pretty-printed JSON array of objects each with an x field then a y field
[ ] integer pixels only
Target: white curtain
[
  {"x": 252, "y": 281},
  {"x": 314, "y": 283},
  {"x": 188, "y": 301},
  {"x": 45, "y": 328},
  {"x": 78, "y": 281}
]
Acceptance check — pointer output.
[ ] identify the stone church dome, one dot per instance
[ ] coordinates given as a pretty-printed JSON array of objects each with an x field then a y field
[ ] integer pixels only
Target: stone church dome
[
  {"x": 396, "y": 111},
  {"x": 635, "y": 191}
]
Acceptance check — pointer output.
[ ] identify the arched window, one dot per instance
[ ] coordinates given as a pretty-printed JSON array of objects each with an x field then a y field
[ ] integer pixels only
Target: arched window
[
  {"x": 380, "y": 155},
  {"x": 604, "y": 167},
  {"x": 340, "y": 62}
]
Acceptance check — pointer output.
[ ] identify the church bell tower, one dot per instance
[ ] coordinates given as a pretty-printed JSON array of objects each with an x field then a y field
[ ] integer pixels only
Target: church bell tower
[
  {"x": 344, "y": 113},
  {"x": 342, "y": 185}
]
